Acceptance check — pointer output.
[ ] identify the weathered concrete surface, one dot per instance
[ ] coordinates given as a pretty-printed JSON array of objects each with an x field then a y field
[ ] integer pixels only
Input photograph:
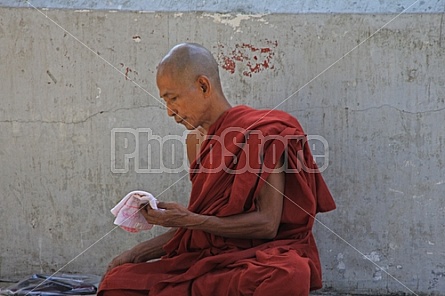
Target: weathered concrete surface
[
  {"x": 240, "y": 6},
  {"x": 381, "y": 109}
]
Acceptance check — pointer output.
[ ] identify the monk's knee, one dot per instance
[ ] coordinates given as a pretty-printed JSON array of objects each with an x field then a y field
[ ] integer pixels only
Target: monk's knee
[
  {"x": 300, "y": 280},
  {"x": 293, "y": 280}
]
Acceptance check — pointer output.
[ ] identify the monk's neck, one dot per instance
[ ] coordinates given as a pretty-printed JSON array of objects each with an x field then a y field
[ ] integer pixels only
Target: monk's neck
[{"x": 216, "y": 113}]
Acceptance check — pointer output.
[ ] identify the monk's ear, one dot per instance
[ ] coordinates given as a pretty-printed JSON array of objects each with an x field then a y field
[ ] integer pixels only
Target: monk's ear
[{"x": 204, "y": 84}]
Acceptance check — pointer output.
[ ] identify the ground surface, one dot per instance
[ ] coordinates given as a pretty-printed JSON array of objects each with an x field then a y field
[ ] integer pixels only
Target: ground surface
[{"x": 6, "y": 284}]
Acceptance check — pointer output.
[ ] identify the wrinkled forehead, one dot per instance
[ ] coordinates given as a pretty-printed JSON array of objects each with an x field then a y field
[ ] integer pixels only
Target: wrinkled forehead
[
  {"x": 180, "y": 77},
  {"x": 166, "y": 84},
  {"x": 170, "y": 84}
]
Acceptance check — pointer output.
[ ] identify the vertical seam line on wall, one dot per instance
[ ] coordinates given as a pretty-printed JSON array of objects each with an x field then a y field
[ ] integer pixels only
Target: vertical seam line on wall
[{"x": 441, "y": 26}]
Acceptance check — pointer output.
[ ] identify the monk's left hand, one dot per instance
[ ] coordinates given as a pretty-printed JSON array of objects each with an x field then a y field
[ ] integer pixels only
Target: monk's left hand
[{"x": 169, "y": 214}]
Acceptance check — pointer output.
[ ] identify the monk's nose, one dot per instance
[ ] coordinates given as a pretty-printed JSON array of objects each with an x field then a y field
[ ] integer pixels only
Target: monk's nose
[{"x": 170, "y": 111}]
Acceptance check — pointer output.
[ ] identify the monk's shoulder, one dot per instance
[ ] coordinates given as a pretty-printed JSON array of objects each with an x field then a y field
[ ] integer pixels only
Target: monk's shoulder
[
  {"x": 270, "y": 117},
  {"x": 266, "y": 120}
]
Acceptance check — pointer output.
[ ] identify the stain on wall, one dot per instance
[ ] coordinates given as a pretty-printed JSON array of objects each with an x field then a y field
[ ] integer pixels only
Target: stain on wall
[{"x": 249, "y": 59}]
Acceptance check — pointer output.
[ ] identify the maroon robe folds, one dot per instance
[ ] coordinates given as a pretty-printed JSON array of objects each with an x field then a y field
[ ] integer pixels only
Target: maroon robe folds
[{"x": 241, "y": 149}]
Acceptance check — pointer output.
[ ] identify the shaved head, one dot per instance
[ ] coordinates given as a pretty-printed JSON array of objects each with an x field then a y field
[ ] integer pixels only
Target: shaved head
[
  {"x": 187, "y": 61},
  {"x": 188, "y": 81}
]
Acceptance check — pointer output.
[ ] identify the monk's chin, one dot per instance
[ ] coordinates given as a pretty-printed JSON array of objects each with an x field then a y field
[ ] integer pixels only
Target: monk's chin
[{"x": 188, "y": 126}]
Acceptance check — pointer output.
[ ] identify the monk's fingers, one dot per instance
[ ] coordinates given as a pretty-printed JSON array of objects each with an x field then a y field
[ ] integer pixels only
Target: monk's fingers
[
  {"x": 167, "y": 205},
  {"x": 168, "y": 214},
  {"x": 152, "y": 216},
  {"x": 146, "y": 207},
  {"x": 112, "y": 265},
  {"x": 126, "y": 257}
]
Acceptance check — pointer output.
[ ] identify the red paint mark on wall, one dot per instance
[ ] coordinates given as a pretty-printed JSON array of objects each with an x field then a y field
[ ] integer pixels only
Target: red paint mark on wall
[
  {"x": 252, "y": 59},
  {"x": 127, "y": 70},
  {"x": 229, "y": 65}
]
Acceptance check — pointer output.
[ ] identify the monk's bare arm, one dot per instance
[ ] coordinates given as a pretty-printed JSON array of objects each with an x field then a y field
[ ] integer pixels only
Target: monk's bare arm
[
  {"x": 148, "y": 250},
  {"x": 262, "y": 223},
  {"x": 153, "y": 248}
]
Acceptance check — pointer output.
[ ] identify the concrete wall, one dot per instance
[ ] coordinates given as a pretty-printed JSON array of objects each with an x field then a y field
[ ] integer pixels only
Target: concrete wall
[{"x": 71, "y": 80}]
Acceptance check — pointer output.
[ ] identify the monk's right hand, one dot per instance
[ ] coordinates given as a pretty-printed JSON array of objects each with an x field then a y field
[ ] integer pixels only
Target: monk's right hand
[{"x": 125, "y": 257}]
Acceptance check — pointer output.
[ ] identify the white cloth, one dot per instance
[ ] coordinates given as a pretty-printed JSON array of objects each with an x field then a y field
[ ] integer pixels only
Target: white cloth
[{"x": 127, "y": 213}]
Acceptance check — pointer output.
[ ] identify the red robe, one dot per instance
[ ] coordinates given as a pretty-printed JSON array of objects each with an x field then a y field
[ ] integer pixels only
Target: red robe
[{"x": 241, "y": 149}]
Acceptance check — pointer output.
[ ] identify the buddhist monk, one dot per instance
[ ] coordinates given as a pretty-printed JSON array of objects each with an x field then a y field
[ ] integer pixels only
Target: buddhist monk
[{"x": 256, "y": 189}]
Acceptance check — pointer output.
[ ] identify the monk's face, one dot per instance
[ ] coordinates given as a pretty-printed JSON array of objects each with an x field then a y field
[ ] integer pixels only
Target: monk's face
[{"x": 184, "y": 100}]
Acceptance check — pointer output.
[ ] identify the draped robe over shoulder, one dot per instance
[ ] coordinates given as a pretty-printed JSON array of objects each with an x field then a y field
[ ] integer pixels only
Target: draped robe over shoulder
[{"x": 240, "y": 150}]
